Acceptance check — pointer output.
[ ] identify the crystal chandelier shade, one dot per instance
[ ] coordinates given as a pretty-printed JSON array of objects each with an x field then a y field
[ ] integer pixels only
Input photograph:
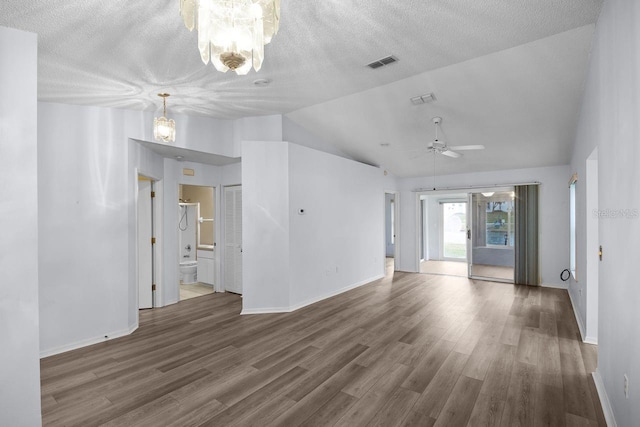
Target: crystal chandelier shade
[
  {"x": 164, "y": 129},
  {"x": 232, "y": 33}
]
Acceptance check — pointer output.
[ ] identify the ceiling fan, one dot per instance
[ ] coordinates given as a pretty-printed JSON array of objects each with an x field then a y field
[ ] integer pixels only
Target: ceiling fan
[{"x": 441, "y": 147}]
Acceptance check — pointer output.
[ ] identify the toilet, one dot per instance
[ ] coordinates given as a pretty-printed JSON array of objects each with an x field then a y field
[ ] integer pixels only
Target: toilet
[{"x": 188, "y": 271}]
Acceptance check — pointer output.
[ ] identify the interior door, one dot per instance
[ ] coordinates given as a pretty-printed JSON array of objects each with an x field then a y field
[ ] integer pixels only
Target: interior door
[
  {"x": 233, "y": 239},
  {"x": 145, "y": 247}
]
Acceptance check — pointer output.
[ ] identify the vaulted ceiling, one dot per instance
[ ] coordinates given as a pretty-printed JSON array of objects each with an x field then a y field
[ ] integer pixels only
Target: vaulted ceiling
[{"x": 506, "y": 74}]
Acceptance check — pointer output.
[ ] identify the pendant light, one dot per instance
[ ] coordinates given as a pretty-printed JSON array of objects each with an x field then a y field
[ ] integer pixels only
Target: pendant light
[{"x": 163, "y": 128}]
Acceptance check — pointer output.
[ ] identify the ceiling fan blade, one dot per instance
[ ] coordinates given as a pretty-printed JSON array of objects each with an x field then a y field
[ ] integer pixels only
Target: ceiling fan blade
[
  {"x": 450, "y": 153},
  {"x": 466, "y": 147}
]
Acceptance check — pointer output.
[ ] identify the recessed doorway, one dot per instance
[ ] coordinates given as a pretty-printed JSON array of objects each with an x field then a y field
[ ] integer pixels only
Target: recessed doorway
[{"x": 196, "y": 240}]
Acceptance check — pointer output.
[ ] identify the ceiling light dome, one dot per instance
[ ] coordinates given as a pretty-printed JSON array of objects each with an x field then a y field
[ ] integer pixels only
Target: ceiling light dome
[{"x": 232, "y": 33}]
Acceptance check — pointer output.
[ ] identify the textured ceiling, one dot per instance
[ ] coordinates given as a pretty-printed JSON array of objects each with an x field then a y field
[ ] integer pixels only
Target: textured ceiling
[{"x": 122, "y": 53}]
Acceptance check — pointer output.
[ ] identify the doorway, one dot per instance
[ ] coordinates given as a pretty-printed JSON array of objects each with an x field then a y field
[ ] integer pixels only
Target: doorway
[
  {"x": 453, "y": 230},
  {"x": 196, "y": 240},
  {"x": 391, "y": 247},
  {"x": 442, "y": 238}
]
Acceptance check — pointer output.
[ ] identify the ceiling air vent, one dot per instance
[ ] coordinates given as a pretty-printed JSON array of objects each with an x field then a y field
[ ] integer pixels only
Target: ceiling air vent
[{"x": 382, "y": 62}]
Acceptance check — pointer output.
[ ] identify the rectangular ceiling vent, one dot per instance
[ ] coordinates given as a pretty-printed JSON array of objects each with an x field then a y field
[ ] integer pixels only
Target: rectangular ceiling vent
[
  {"x": 423, "y": 99},
  {"x": 382, "y": 62}
]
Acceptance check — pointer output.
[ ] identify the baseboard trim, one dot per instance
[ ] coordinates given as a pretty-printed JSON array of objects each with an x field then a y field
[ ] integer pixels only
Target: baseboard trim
[
  {"x": 309, "y": 301},
  {"x": 578, "y": 318},
  {"x": 90, "y": 341},
  {"x": 553, "y": 286},
  {"x": 604, "y": 399}
]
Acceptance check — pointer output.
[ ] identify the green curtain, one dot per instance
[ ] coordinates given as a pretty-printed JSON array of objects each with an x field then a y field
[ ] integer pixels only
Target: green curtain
[{"x": 527, "y": 267}]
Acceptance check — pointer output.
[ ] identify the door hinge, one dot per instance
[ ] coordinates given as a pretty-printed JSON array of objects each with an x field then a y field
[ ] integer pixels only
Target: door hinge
[
  {"x": 153, "y": 194},
  {"x": 153, "y": 240},
  {"x": 153, "y": 287},
  {"x": 600, "y": 253}
]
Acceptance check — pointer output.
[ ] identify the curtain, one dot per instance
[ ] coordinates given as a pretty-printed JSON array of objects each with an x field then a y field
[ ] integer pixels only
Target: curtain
[{"x": 527, "y": 266}]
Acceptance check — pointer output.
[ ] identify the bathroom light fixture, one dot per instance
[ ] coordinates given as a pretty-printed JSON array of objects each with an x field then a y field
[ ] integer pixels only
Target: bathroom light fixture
[
  {"x": 232, "y": 33},
  {"x": 163, "y": 128},
  {"x": 489, "y": 194}
]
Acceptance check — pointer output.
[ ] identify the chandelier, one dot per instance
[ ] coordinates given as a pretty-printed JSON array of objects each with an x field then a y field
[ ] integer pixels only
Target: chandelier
[
  {"x": 163, "y": 128},
  {"x": 232, "y": 33}
]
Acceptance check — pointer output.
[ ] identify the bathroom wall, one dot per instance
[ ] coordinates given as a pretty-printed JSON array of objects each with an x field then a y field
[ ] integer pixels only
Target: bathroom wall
[
  {"x": 204, "y": 196},
  {"x": 187, "y": 227}
]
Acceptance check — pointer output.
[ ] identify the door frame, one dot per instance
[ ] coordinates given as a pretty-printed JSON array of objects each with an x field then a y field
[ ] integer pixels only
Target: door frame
[
  {"x": 441, "y": 229},
  {"x": 396, "y": 229},
  {"x": 157, "y": 226},
  {"x": 471, "y": 233}
]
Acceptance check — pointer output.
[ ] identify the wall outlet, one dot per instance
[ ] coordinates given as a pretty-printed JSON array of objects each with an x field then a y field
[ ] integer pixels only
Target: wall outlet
[{"x": 626, "y": 386}]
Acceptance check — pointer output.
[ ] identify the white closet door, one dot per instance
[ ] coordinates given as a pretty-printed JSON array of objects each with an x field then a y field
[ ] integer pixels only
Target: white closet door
[{"x": 233, "y": 239}]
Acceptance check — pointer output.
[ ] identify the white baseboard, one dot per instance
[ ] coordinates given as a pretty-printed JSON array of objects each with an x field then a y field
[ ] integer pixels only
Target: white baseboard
[
  {"x": 604, "y": 399},
  {"x": 578, "y": 318},
  {"x": 311, "y": 300},
  {"x": 553, "y": 286},
  {"x": 88, "y": 342}
]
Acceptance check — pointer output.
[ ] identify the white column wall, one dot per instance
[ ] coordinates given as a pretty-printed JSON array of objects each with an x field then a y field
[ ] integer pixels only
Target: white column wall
[
  {"x": 265, "y": 227},
  {"x": 19, "y": 346}
]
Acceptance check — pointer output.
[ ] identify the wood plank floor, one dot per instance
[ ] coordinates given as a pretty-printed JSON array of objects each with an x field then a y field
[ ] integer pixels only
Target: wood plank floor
[{"x": 407, "y": 350}]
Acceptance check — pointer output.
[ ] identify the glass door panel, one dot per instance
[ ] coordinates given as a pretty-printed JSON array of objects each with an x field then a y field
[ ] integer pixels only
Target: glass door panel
[{"x": 492, "y": 238}]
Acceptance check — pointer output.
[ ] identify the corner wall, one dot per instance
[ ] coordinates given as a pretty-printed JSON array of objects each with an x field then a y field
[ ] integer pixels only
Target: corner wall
[
  {"x": 293, "y": 258},
  {"x": 19, "y": 329}
]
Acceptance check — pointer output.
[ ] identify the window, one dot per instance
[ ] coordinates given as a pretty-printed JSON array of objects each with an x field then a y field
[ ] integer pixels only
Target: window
[
  {"x": 572, "y": 224},
  {"x": 500, "y": 227}
]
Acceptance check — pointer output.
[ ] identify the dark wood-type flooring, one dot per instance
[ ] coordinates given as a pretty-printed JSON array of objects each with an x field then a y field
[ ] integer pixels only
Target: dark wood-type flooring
[{"x": 409, "y": 350}]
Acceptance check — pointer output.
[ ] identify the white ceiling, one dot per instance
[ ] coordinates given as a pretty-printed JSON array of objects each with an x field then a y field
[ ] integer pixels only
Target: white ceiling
[{"x": 507, "y": 74}]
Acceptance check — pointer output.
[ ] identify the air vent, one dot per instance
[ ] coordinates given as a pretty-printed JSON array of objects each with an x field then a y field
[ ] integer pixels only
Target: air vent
[
  {"x": 382, "y": 62},
  {"x": 423, "y": 99}
]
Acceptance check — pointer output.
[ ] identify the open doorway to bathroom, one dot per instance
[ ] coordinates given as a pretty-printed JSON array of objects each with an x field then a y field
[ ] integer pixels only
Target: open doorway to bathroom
[{"x": 196, "y": 240}]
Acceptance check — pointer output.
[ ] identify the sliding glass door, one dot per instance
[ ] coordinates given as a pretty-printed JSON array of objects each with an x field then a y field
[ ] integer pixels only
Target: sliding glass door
[{"x": 491, "y": 235}]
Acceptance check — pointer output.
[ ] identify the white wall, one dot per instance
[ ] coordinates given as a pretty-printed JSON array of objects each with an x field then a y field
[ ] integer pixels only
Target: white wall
[
  {"x": 610, "y": 120},
  {"x": 554, "y": 231},
  {"x": 337, "y": 244},
  {"x": 293, "y": 132},
  {"x": 85, "y": 203},
  {"x": 19, "y": 363},
  {"x": 87, "y": 175},
  {"x": 265, "y": 226},
  {"x": 289, "y": 259}
]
